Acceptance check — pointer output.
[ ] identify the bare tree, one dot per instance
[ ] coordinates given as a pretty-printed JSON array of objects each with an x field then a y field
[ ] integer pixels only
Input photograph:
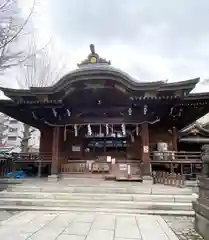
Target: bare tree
[
  {"x": 39, "y": 70},
  {"x": 11, "y": 27}
]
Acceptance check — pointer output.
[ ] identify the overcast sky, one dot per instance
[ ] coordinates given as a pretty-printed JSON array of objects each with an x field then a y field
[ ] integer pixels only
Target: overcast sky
[{"x": 150, "y": 39}]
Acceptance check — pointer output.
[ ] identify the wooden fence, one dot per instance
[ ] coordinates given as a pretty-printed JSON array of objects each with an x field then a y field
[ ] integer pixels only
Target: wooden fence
[{"x": 168, "y": 178}]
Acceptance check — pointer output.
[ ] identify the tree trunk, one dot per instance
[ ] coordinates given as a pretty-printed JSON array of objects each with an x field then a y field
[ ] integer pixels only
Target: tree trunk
[{"x": 26, "y": 137}]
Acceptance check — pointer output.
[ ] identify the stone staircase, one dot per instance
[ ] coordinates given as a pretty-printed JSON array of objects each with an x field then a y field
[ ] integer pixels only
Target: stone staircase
[{"x": 98, "y": 196}]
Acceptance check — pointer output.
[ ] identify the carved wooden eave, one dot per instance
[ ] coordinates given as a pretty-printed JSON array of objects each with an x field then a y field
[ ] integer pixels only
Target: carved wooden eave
[{"x": 194, "y": 129}]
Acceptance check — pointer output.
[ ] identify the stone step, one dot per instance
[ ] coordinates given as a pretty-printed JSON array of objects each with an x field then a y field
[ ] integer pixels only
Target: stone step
[
  {"x": 98, "y": 196},
  {"x": 99, "y": 210},
  {"x": 160, "y": 190},
  {"x": 97, "y": 204}
]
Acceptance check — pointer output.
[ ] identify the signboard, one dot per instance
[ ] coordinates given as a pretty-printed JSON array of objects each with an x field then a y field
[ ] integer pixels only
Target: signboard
[
  {"x": 123, "y": 167},
  {"x": 109, "y": 159},
  {"x": 146, "y": 149},
  {"x": 76, "y": 148}
]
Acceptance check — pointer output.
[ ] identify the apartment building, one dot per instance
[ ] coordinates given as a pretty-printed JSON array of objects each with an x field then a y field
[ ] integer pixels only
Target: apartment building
[{"x": 11, "y": 134}]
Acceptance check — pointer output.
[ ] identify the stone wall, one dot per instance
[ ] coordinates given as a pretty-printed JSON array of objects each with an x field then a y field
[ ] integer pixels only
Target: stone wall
[{"x": 201, "y": 206}]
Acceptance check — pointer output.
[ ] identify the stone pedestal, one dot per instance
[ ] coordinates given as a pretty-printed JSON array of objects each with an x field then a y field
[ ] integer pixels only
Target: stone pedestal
[
  {"x": 201, "y": 206},
  {"x": 53, "y": 178}
]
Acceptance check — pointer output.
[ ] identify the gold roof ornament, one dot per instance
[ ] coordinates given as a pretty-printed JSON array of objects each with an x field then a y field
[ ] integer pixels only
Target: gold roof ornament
[{"x": 93, "y": 58}]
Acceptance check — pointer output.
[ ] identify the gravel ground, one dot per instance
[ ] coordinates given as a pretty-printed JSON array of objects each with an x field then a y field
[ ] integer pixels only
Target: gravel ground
[{"x": 183, "y": 227}]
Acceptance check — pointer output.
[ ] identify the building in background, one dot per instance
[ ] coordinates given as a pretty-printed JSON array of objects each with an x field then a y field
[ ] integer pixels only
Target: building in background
[{"x": 11, "y": 135}]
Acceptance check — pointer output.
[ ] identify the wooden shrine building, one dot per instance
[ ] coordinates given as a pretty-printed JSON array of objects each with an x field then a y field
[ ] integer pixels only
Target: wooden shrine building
[{"x": 100, "y": 113}]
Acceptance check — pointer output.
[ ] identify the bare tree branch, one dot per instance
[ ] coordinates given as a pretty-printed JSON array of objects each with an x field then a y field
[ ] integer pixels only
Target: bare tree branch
[
  {"x": 10, "y": 29},
  {"x": 12, "y": 38},
  {"x": 4, "y": 4},
  {"x": 38, "y": 70}
]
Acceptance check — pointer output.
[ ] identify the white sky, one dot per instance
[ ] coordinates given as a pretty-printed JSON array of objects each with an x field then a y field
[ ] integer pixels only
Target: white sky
[{"x": 151, "y": 40}]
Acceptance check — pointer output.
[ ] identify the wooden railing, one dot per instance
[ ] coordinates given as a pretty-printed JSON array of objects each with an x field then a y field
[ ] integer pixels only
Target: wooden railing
[
  {"x": 75, "y": 166},
  {"x": 168, "y": 178},
  {"x": 176, "y": 157},
  {"x": 32, "y": 157},
  {"x": 82, "y": 166}
]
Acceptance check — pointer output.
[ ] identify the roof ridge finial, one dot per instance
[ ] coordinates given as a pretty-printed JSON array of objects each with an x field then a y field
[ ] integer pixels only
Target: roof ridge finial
[{"x": 93, "y": 58}]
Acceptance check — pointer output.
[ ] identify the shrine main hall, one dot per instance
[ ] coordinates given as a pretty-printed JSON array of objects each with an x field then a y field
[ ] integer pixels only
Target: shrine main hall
[{"x": 98, "y": 117}]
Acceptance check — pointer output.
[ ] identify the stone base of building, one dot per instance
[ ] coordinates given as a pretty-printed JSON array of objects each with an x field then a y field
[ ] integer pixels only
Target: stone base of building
[
  {"x": 53, "y": 178},
  {"x": 147, "y": 178},
  {"x": 202, "y": 225},
  {"x": 201, "y": 207}
]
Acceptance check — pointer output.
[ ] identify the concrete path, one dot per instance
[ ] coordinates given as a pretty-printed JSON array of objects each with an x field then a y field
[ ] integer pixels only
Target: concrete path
[{"x": 84, "y": 226}]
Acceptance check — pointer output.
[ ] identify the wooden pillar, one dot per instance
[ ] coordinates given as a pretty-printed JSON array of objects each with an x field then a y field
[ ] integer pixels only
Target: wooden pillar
[
  {"x": 55, "y": 151},
  {"x": 174, "y": 139},
  {"x": 145, "y": 149}
]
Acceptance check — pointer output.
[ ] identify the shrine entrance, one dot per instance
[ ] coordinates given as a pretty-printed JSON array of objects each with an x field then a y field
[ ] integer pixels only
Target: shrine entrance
[
  {"x": 114, "y": 145},
  {"x": 101, "y": 148}
]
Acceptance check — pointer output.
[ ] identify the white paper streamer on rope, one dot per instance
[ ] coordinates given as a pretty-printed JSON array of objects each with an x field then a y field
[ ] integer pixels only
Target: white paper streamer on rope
[
  {"x": 123, "y": 127},
  {"x": 137, "y": 130},
  {"x": 145, "y": 109},
  {"x": 129, "y": 111},
  {"x": 107, "y": 129},
  {"x": 89, "y": 130},
  {"x": 68, "y": 112},
  {"x": 34, "y": 115},
  {"x": 76, "y": 130},
  {"x": 54, "y": 112}
]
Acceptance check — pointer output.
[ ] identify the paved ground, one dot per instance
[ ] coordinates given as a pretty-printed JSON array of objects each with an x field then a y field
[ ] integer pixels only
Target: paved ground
[
  {"x": 183, "y": 227},
  {"x": 84, "y": 226}
]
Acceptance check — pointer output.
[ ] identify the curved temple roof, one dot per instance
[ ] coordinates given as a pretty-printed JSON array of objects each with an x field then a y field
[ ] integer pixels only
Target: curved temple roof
[{"x": 96, "y": 68}]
